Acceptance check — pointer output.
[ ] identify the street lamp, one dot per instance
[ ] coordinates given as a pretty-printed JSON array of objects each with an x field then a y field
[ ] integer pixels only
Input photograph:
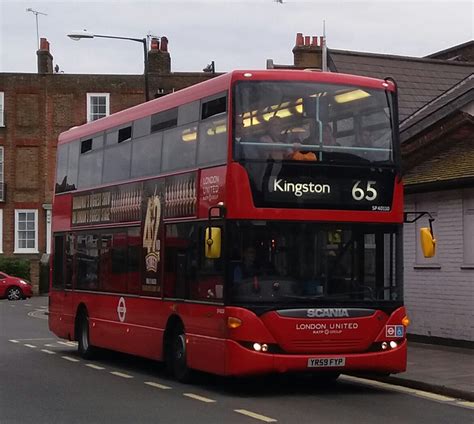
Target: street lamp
[{"x": 78, "y": 35}]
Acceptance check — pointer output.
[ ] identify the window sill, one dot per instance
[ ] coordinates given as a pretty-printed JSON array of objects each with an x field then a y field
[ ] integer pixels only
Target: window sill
[
  {"x": 25, "y": 252},
  {"x": 434, "y": 266}
]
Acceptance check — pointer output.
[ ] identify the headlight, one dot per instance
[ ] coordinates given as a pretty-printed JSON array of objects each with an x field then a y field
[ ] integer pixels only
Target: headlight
[{"x": 23, "y": 282}]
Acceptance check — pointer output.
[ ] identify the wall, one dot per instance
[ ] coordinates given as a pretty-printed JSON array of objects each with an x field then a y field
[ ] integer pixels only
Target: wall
[
  {"x": 439, "y": 293},
  {"x": 38, "y": 107}
]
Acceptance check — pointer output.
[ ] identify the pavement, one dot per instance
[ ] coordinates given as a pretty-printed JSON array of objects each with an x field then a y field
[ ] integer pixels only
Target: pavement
[{"x": 444, "y": 370}]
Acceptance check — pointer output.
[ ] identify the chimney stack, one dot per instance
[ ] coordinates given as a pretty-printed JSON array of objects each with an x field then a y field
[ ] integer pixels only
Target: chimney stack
[
  {"x": 308, "y": 51},
  {"x": 159, "y": 60},
  {"x": 45, "y": 59}
]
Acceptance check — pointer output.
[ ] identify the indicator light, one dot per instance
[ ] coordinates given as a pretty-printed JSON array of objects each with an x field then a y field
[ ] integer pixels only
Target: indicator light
[
  {"x": 406, "y": 321},
  {"x": 233, "y": 322}
]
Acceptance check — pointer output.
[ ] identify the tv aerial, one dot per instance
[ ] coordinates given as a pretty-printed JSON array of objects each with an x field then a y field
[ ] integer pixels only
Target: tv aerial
[{"x": 36, "y": 13}]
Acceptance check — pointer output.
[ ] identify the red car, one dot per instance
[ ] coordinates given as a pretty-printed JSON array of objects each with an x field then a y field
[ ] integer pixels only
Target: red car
[{"x": 14, "y": 288}]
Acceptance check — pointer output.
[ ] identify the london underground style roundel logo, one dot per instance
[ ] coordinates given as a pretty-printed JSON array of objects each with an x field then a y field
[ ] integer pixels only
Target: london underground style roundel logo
[{"x": 121, "y": 309}]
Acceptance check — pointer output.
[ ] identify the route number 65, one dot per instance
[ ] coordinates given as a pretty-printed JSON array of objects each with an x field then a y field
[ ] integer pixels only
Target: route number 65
[{"x": 369, "y": 193}]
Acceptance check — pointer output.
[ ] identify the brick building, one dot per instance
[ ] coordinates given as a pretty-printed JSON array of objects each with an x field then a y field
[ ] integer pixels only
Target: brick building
[
  {"x": 436, "y": 112},
  {"x": 34, "y": 110}
]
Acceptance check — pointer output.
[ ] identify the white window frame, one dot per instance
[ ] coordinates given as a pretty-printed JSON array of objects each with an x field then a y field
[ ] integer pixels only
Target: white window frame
[
  {"x": 28, "y": 249},
  {"x": 89, "y": 108},
  {"x": 2, "y": 108},
  {"x": 1, "y": 230},
  {"x": 2, "y": 173}
]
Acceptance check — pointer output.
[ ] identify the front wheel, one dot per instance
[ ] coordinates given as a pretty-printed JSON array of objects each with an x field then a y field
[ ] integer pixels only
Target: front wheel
[
  {"x": 178, "y": 357},
  {"x": 14, "y": 293},
  {"x": 83, "y": 344}
]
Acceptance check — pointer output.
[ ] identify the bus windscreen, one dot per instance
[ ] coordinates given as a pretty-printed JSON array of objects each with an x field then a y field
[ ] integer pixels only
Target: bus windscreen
[{"x": 302, "y": 121}]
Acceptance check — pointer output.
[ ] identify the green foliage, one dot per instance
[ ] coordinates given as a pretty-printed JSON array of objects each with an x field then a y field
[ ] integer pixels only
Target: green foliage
[{"x": 16, "y": 267}]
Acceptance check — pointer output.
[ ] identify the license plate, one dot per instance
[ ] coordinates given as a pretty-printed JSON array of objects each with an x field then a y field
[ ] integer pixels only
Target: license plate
[{"x": 326, "y": 362}]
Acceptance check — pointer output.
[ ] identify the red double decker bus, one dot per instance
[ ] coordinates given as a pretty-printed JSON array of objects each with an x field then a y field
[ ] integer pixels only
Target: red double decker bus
[{"x": 249, "y": 224}]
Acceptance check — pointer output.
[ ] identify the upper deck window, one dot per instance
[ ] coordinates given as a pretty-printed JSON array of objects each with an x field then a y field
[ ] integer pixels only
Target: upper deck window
[
  {"x": 214, "y": 106},
  {"x": 312, "y": 122},
  {"x": 163, "y": 120}
]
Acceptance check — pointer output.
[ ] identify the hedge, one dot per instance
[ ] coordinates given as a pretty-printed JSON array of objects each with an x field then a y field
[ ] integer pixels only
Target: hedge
[{"x": 16, "y": 267}]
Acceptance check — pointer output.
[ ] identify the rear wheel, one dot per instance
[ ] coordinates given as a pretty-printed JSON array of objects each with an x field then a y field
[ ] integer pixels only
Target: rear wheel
[
  {"x": 83, "y": 344},
  {"x": 178, "y": 356},
  {"x": 14, "y": 293}
]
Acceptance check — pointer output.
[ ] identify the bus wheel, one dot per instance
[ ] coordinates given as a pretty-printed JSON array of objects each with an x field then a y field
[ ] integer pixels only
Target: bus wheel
[
  {"x": 83, "y": 345},
  {"x": 178, "y": 360}
]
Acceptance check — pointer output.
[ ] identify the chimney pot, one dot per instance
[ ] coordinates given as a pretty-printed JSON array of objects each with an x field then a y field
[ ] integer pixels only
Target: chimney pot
[
  {"x": 299, "y": 39},
  {"x": 321, "y": 40},
  {"x": 307, "y": 40},
  {"x": 164, "y": 44},
  {"x": 314, "y": 41},
  {"x": 44, "y": 44},
  {"x": 155, "y": 44}
]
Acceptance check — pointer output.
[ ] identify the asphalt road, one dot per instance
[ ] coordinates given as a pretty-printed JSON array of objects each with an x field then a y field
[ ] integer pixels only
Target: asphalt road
[{"x": 43, "y": 380}]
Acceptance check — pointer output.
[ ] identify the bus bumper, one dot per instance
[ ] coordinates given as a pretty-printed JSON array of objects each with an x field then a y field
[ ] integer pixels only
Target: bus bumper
[{"x": 243, "y": 361}]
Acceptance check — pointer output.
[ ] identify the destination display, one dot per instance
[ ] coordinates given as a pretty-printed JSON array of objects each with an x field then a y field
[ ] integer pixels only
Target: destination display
[{"x": 343, "y": 188}]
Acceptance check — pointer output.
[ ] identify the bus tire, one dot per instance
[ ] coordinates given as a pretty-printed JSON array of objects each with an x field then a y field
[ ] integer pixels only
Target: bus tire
[
  {"x": 178, "y": 356},
  {"x": 85, "y": 349}
]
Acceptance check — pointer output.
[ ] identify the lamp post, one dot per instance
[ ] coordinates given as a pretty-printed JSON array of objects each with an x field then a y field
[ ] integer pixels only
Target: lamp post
[{"x": 76, "y": 36}]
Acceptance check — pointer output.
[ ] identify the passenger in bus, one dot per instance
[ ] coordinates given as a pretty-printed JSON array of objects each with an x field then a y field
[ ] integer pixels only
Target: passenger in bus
[
  {"x": 274, "y": 129},
  {"x": 328, "y": 136}
]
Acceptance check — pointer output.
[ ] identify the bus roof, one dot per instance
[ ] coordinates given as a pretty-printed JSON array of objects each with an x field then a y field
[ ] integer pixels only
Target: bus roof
[{"x": 214, "y": 86}]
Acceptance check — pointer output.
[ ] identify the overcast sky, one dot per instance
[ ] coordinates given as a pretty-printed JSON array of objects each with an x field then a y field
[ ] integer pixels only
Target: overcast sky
[{"x": 238, "y": 34}]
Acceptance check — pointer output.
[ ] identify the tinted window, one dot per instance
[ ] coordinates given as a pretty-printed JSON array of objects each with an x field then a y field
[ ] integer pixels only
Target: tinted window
[
  {"x": 188, "y": 113},
  {"x": 61, "y": 168},
  {"x": 180, "y": 260},
  {"x": 90, "y": 162},
  {"x": 141, "y": 127},
  {"x": 179, "y": 148},
  {"x": 214, "y": 107},
  {"x": 69, "y": 260},
  {"x": 124, "y": 134},
  {"x": 86, "y": 145},
  {"x": 58, "y": 264},
  {"x": 212, "y": 146},
  {"x": 117, "y": 162},
  {"x": 87, "y": 260},
  {"x": 113, "y": 262},
  {"x": 134, "y": 246},
  {"x": 312, "y": 122},
  {"x": 146, "y": 155},
  {"x": 90, "y": 168},
  {"x": 163, "y": 120},
  {"x": 73, "y": 163}
]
